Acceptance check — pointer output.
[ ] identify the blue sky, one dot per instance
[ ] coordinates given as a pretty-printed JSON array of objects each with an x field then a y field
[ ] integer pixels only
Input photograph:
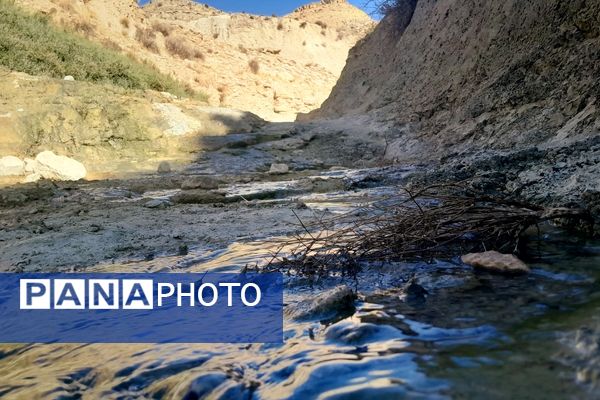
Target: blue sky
[{"x": 263, "y": 7}]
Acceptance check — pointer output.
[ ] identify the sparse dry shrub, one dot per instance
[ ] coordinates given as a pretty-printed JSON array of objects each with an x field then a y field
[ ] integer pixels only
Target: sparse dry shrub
[
  {"x": 147, "y": 38},
  {"x": 322, "y": 24},
  {"x": 340, "y": 36},
  {"x": 242, "y": 49},
  {"x": 179, "y": 47},
  {"x": 323, "y": 33},
  {"x": 303, "y": 25},
  {"x": 222, "y": 94},
  {"x": 85, "y": 28},
  {"x": 280, "y": 26},
  {"x": 66, "y": 5},
  {"x": 109, "y": 44},
  {"x": 254, "y": 66},
  {"x": 31, "y": 43},
  {"x": 162, "y": 27},
  {"x": 124, "y": 22},
  {"x": 215, "y": 35},
  {"x": 384, "y": 7}
]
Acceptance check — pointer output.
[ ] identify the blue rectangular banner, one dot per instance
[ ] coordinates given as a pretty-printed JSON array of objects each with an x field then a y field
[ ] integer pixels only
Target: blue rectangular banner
[{"x": 141, "y": 308}]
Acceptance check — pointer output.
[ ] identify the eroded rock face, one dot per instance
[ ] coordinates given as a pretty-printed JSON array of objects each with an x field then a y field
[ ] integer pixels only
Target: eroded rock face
[
  {"x": 476, "y": 75},
  {"x": 99, "y": 124},
  {"x": 495, "y": 261},
  {"x": 502, "y": 92},
  {"x": 54, "y": 167}
]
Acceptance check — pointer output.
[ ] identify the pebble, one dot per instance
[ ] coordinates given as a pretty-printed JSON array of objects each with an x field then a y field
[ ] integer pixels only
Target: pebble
[
  {"x": 279, "y": 169},
  {"x": 158, "y": 203}
]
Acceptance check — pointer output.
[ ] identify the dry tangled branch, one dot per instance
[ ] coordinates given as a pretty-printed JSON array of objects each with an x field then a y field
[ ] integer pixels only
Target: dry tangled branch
[{"x": 436, "y": 222}]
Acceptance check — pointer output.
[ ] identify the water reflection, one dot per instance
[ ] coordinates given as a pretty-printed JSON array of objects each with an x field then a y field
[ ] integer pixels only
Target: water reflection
[{"x": 467, "y": 335}]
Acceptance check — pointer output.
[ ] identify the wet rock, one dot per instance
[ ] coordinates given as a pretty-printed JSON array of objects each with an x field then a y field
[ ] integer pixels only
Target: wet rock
[
  {"x": 20, "y": 195},
  {"x": 198, "y": 197},
  {"x": 51, "y": 166},
  {"x": 359, "y": 333},
  {"x": 413, "y": 293},
  {"x": 95, "y": 228},
  {"x": 11, "y": 166},
  {"x": 204, "y": 385},
  {"x": 325, "y": 305},
  {"x": 320, "y": 185},
  {"x": 279, "y": 169},
  {"x": 285, "y": 144},
  {"x": 158, "y": 203},
  {"x": 164, "y": 167},
  {"x": 200, "y": 182},
  {"x": 582, "y": 352},
  {"x": 183, "y": 250},
  {"x": 495, "y": 261}
]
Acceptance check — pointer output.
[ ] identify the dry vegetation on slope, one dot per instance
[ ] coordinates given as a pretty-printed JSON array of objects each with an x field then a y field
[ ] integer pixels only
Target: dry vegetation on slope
[
  {"x": 31, "y": 44},
  {"x": 299, "y": 56}
]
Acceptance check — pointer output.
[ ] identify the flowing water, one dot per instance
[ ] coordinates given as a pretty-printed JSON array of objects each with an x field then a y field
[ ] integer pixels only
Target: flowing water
[{"x": 457, "y": 333}]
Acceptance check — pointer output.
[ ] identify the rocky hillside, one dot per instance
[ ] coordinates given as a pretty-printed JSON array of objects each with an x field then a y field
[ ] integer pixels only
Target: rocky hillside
[
  {"x": 516, "y": 80},
  {"x": 274, "y": 67},
  {"x": 487, "y": 74},
  {"x": 112, "y": 131}
]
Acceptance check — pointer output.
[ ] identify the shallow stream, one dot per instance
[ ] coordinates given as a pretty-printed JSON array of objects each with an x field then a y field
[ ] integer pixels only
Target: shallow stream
[{"x": 461, "y": 334}]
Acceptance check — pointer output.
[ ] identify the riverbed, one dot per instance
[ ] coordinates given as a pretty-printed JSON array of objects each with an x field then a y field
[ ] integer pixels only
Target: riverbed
[{"x": 416, "y": 330}]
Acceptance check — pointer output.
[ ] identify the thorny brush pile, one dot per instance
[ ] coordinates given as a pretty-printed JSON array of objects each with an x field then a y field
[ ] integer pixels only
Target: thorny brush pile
[{"x": 437, "y": 222}]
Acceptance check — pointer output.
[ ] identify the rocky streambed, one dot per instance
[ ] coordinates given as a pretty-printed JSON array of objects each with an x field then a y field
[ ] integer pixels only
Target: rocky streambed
[{"x": 437, "y": 329}]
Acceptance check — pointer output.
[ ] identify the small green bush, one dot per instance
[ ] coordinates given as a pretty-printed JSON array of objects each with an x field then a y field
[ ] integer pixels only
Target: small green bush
[{"x": 30, "y": 43}]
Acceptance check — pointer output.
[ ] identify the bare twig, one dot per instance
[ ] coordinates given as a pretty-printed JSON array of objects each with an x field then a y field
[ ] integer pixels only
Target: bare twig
[{"x": 439, "y": 221}]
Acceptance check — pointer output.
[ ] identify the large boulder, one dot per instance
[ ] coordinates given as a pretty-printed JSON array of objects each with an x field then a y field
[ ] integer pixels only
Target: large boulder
[
  {"x": 51, "y": 166},
  {"x": 11, "y": 166}
]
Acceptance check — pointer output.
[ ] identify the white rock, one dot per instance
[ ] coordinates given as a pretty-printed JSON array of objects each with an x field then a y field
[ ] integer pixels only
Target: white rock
[
  {"x": 11, "y": 166},
  {"x": 279, "y": 169},
  {"x": 32, "y": 178},
  {"x": 51, "y": 166},
  {"x": 69, "y": 78},
  {"x": 30, "y": 165},
  {"x": 176, "y": 121}
]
